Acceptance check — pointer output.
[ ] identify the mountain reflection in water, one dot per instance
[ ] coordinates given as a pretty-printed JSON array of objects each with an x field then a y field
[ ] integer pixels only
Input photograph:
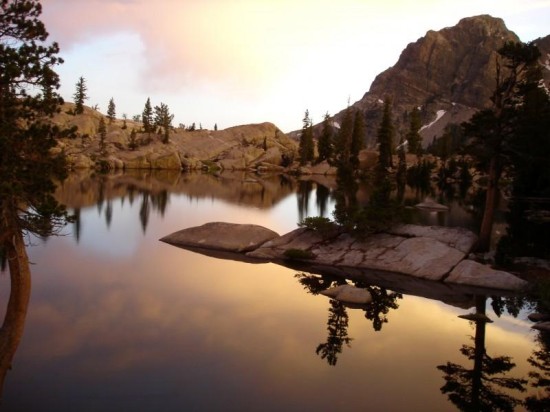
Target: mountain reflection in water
[{"x": 120, "y": 321}]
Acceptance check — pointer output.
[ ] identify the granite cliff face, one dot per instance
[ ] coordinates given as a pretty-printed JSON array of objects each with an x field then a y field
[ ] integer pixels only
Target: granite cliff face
[{"x": 448, "y": 73}]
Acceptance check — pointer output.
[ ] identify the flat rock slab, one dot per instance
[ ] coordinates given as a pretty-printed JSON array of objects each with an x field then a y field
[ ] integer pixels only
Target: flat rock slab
[
  {"x": 469, "y": 272},
  {"x": 422, "y": 257},
  {"x": 229, "y": 237},
  {"x": 423, "y": 252}
]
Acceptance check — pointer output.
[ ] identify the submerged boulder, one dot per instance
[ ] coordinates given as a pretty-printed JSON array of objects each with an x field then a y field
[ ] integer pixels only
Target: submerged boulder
[{"x": 348, "y": 294}]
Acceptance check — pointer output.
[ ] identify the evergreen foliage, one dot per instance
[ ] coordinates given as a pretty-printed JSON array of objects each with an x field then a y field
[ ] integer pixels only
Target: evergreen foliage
[
  {"x": 385, "y": 136},
  {"x": 342, "y": 146},
  {"x": 147, "y": 117},
  {"x": 80, "y": 96},
  {"x": 111, "y": 110},
  {"x": 102, "y": 131},
  {"x": 325, "y": 143},
  {"x": 413, "y": 135},
  {"x": 132, "y": 142},
  {"x": 307, "y": 147},
  {"x": 358, "y": 138},
  {"x": 163, "y": 119},
  {"x": 450, "y": 143},
  {"x": 27, "y": 167},
  {"x": 492, "y": 132}
]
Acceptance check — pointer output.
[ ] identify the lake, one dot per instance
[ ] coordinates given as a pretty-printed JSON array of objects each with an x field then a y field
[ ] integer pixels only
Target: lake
[{"x": 119, "y": 321}]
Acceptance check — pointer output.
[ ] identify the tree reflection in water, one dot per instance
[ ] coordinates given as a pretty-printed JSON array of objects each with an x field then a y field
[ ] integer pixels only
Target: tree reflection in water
[
  {"x": 16, "y": 311},
  {"x": 337, "y": 326},
  {"x": 337, "y": 323},
  {"x": 540, "y": 377},
  {"x": 481, "y": 388}
]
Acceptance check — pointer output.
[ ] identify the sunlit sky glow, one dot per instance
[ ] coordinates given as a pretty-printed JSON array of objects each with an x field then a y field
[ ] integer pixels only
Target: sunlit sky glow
[{"x": 235, "y": 62}]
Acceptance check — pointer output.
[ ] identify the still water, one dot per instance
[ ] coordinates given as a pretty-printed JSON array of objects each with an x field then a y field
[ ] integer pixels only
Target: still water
[{"x": 119, "y": 321}]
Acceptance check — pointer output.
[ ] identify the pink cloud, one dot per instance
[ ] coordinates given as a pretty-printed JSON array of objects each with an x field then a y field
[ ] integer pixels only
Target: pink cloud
[{"x": 186, "y": 43}]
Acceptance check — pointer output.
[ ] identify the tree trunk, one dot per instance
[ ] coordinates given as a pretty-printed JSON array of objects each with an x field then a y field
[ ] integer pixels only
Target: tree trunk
[
  {"x": 484, "y": 241},
  {"x": 16, "y": 312}
]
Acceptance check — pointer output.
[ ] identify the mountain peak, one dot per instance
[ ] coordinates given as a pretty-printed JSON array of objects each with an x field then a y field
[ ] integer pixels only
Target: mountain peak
[{"x": 451, "y": 70}]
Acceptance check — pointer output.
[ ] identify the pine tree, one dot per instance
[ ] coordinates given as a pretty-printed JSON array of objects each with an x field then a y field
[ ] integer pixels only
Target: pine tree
[
  {"x": 28, "y": 166},
  {"x": 357, "y": 139},
  {"x": 132, "y": 142},
  {"x": 163, "y": 119},
  {"x": 325, "y": 144},
  {"x": 306, "y": 148},
  {"x": 413, "y": 135},
  {"x": 147, "y": 117},
  {"x": 493, "y": 131},
  {"x": 111, "y": 111},
  {"x": 342, "y": 146},
  {"x": 80, "y": 96},
  {"x": 385, "y": 137},
  {"x": 102, "y": 131}
]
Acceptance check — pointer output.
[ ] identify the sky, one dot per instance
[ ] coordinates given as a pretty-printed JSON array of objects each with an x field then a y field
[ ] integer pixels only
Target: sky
[{"x": 233, "y": 62}]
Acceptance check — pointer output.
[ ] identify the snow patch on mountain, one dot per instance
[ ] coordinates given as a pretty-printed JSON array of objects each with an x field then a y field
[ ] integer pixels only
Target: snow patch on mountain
[{"x": 438, "y": 116}]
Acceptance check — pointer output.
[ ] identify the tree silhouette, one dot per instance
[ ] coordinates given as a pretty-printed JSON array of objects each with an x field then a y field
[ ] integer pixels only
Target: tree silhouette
[
  {"x": 325, "y": 143},
  {"x": 111, "y": 111},
  {"x": 337, "y": 326},
  {"x": 540, "y": 376},
  {"x": 28, "y": 169},
  {"x": 385, "y": 136},
  {"x": 163, "y": 119},
  {"x": 413, "y": 135},
  {"x": 358, "y": 138},
  {"x": 306, "y": 148},
  {"x": 479, "y": 388},
  {"x": 147, "y": 117},
  {"x": 102, "y": 130},
  {"x": 493, "y": 131},
  {"x": 80, "y": 95},
  {"x": 342, "y": 145}
]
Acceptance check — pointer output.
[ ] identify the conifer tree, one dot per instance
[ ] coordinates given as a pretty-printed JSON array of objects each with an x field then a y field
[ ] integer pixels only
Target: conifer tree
[
  {"x": 132, "y": 142},
  {"x": 342, "y": 146},
  {"x": 102, "y": 131},
  {"x": 80, "y": 96},
  {"x": 28, "y": 169},
  {"x": 325, "y": 144},
  {"x": 306, "y": 148},
  {"x": 493, "y": 131},
  {"x": 111, "y": 111},
  {"x": 163, "y": 119},
  {"x": 147, "y": 117},
  {"x": 413, "y": 135},
  {"x": 28, "y": 166},
  {"x": 385, "y": 137},
  {"x": 357, "y": 139}
]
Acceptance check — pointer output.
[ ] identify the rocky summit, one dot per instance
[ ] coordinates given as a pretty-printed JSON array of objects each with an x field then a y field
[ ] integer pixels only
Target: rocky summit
[
  {"x": 449, "y": 74},
  {"x": 260, "y": 146}
]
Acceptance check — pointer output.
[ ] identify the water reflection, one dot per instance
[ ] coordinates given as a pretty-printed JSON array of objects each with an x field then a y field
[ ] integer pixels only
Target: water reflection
[
  {"x": 539, "y": 376},
  {"x": 376, "y": 311},
  {"x": 163, "y": 328},
  {"x": 18, "y": 302},
  {"x": 481, "y": 386}
]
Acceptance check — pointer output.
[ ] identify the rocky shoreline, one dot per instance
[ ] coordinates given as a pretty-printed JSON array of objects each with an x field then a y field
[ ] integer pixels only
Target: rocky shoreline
[{"x": 435, "y": 254}]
